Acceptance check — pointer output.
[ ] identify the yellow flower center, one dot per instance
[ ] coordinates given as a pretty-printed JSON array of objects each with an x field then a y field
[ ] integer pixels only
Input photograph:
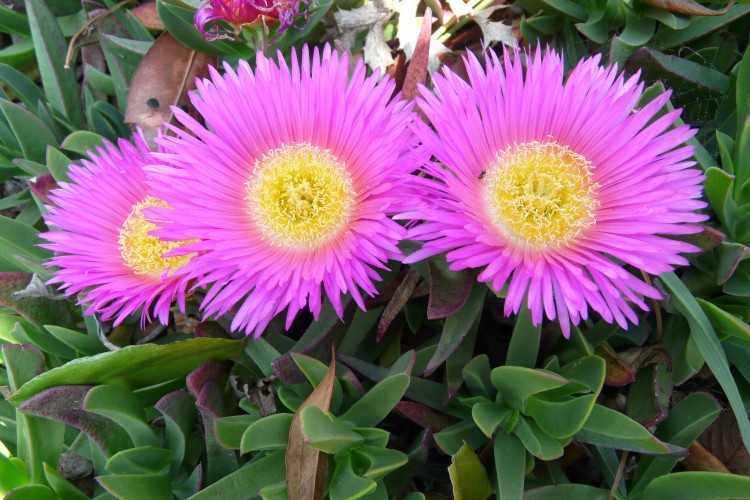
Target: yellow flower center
[
  {"x": 541, "y": 195},
  {"x": 142, "y": 252},
  {"x": 299, "y": 195}
]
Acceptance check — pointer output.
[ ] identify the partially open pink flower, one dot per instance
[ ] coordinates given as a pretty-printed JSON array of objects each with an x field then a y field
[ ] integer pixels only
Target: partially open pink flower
[
  {"x": 100, "y": 235},
  {"x": 551, "y": 186},
  {"x": 244, "y": 12}
]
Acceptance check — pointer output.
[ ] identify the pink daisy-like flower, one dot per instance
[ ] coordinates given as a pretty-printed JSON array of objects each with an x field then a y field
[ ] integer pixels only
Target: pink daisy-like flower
[
  {"x": 291, "y": 185},
  {"x": 552, "y": 185},
  {"x": 103, "y": 247},
  {"x": 244, "y": 12}
]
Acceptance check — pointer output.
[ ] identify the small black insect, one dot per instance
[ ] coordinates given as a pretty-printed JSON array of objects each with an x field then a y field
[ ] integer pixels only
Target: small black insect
[{"x": 482, "y": 175}]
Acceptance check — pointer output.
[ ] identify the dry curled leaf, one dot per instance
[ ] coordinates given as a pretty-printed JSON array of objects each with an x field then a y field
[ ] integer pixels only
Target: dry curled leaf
[
  {"x": 162, "y": 79},
  {"x": 494, "y": 31},
  {"x": 373, "y": 16},
  {"x": 400, "y": 297},
  {"x": 306, "y": 468},
  {"x": 690, "y": 7}
]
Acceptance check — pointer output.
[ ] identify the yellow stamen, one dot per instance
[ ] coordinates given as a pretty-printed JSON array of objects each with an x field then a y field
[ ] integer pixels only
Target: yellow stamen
[
  {"x": 541, "y": 195},
  {"x": 142, "y": 252},
  {"x": 299, "y": 195}
]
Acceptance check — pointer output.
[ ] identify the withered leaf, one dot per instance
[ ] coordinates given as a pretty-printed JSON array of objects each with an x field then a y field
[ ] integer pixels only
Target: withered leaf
[
  {"x": 722, "y": 439},
  {"x": 688, "y": 7},
  {"x": 148, "y": 15},
  {"x": 306, "y": 468},
  {"x": 417, "y": 71},
  {"x": 162, "y": 79},
  {"x": 400, "y": 297}
]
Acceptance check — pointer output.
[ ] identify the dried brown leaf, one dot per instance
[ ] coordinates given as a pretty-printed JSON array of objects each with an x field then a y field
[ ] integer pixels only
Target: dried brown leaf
[
  {"x": 162, "y": 79},
  {"x": 148, "y": 16},
  {"x": 400, "y": 297},
  {"x": 722, "y": 439},
  {"x": 306, "y": 468},
  {"x": 700, "y": 459},
  {"x": 688, "y": 7},
  {"x": 417, "y": 72}
]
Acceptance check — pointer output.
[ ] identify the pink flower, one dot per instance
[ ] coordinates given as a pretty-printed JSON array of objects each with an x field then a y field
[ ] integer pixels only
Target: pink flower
[
  {"x": 552, "y": 187},
  {"x": 104, "y": 250},
  {"x": 290, "y": 186},
  {"x": 244, "y": 12}
]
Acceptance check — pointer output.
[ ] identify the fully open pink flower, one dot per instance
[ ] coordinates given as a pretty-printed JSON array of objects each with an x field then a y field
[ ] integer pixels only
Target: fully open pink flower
[
  {"x": 101, "y": 237},
  {"x": 241, "y": 12},
  {"x": 552, "y": 186},
  {"x": 290, "y": 186}
]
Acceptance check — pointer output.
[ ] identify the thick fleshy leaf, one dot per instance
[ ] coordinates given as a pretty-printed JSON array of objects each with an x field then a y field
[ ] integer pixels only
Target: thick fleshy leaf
[
  {"x": 477, "y": 377},
  {"x": 66, "y": 404},
  {"x": 468, "y": 476},
  {"x": 558, "y": 491},
  {"x": 307, "y": 468},
  {"x": 710, "y": 347},
  {"x": 19, "y": 250},
  {"x": 536, "y": 441},
  {"x": 648, "y": 397},
  {"x": 607, "y": 427},
  {"x": 326, "y": 434},
  {"x": 699, "y": 486},
  {"x": 524, "y": 343},
  {"x": 121, "y": 406},
  {"x": 178, "y": 409},
  {"x": 206, "y": 384},
  {"x": 134, "y": 366},
  {"x": 33, "y": 146},
  {"x": 61, "y": 486},
  {"x": 690, "y": 7},
  {"x": 458, "y": 326},
  {"x": 247, "y": 481},
  {"x": 378, "y": 402},
  {"x": 510, "y": 466},
  {"x": 516, "y": 384},
  {"x": 60, "y": 84},
  {"x": 268, "y": 433},
  {"x": 379, "y": 461},
  {"x": 345, "y": 483},
  {"x": 686, "y": 421},
  {"x": 315, "y": 342},
  {"x": 30, "y": 492},
  {"x": 449, "y": 290},
  {"x": 488, "y": 416},
  {"x": 560, "y": 420},
  {"x": 229, "y": 430}
]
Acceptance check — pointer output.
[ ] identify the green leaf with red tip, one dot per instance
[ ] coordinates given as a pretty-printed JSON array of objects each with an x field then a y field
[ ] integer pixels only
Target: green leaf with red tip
[{"x": 610, "y": 428}]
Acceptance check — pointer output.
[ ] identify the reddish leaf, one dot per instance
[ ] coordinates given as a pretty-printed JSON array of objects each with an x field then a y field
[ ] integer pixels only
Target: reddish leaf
[
  {"x": 690, "y": 7},
  {"x": 148, "y": 15},
  {"x": 449, "y": 290},
  {"x": 424, "y": 415},
  {"x": 164, "y": 76},
  {"x": 400, "y": 297},
  {"x": 417, "y": 71},
  {"x": 618, "y": 373},
  {"x": 65, "y": 404},
  {"x": 41, "y": 187},
  {"x": 306, "y": 468}
]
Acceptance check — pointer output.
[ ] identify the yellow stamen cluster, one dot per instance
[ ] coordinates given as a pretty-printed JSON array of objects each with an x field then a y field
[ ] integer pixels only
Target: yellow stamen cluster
[
  {"x": 299, "y": 195},
  {"x": 541, "y": 194},
  {"x": 142, "y": 252}
]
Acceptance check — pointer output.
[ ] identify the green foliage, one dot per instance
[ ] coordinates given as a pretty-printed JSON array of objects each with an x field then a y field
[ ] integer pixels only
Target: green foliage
[{"x": 435, "y": 391}]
